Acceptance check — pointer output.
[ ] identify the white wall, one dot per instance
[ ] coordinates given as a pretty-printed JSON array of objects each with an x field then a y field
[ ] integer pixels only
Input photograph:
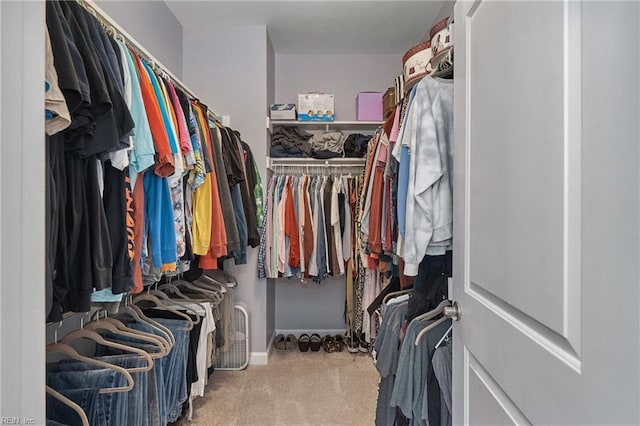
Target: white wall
[
  {"x": 342, "y": 75},
  {"x": 22, "y": 212},
  {"x": 312, "y": 307},
  {"x": 153, "y": 25},
  {"x": 227, "y": 67}
]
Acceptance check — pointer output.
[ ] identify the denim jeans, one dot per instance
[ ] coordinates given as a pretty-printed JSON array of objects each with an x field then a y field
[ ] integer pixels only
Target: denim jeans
[
  {"x": 174, "y": 367},
  {"x": 59, "y": 413},
  {"x": 157, "y": 401},
  {"x": 136, "y": 412},
  {"x": 110, "y": 408},
  {"x": 149, "y": 412}
]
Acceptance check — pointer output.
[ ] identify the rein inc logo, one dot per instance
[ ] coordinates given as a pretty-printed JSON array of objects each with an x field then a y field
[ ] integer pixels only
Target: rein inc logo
[{"x": 17, "y": 421}]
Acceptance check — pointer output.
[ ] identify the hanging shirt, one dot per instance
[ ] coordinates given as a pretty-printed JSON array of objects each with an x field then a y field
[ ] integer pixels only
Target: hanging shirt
[
  {"x": 291, "y": 225},
  {"x": 347, "y": 236},
  {"x": 429, "y": 193},
  {"x": 58, "y": 117},
  {"x": 183, "y": 131},
  {"x": 313, "y": 269},
  {"x": 159, "y": 222},
  {"x": 143, "y": 152},
  {"x": 164, "y": 165},
  {"x": 338, "y": 267},
  {"x": 160, "y": 101}
]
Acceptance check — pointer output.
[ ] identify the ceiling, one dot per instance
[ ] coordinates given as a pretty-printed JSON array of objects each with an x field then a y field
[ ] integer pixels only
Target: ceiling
[{"x": 319, "y": 27}]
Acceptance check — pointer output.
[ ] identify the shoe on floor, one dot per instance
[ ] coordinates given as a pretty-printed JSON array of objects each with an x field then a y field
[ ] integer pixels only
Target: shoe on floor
[
  {"x": 315, "y": 342},
  {"x": 280, "y": 343},
  {"x": 303, "y": 342},
  {"x": 339, "y": 342},
  {"x": 353, "y": 343},
  {"x": 328, "y": 344},
  {"x": 364, "y": 345},
  {"x": 291, "y": 343}
]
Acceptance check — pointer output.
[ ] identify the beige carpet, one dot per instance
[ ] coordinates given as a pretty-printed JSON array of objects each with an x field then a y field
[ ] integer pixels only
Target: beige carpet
[{"x": 312, "y": 388}]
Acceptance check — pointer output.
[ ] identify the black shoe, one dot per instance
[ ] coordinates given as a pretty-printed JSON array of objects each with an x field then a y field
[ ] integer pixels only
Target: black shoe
[
  {"x": 353, "y": 343},
  {"x": 364, "y": 345},
  {"x": 339, "y": 342},
  {"x": 303, "y": 343},
  {"x": 315, "y": 342},
  {"x": 328, "y": 344}
]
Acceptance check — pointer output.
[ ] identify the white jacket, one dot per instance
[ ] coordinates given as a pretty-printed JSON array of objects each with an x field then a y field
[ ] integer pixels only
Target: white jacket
[{"x": 429, "y": 136}]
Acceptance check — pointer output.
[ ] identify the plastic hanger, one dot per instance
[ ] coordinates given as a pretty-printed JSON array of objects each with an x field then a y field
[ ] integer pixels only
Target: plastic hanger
[
  {"x": 65, "y": 349},
  {"x": 106, "y": 325},
  {"x": 164, "y": 296},
  {"x": 166, "y": 344},
  {"x": 136, "y": 313},
  {"x": 445, "y": 336},
  {"x": 158, "y": 302},
  {"x": 69, "y": 403},
  {"x": 206, "y": 298},
  {"x": 96, "y": 337},
  {"x": 207, "y": 286},
  {"x": 394, "y": 294},
  {"x": 429, "y": 315}
]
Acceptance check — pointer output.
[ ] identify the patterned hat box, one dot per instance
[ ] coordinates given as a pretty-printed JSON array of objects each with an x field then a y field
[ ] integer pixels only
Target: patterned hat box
[{"x": 416, "y": 63}]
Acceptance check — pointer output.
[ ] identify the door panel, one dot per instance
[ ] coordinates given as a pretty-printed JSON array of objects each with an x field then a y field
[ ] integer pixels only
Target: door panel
[
  {"x": 546, "y": 237},
  {"x": 516, "y": 227},
  {"x": 491, "y": 405}
]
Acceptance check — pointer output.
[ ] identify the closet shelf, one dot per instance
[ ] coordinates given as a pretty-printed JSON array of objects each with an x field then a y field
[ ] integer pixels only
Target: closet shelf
[{"x": 326, "y": 125}]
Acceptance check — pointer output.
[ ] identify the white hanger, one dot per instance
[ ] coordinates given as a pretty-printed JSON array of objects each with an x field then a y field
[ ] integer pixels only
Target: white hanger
[
  {"x": 444, "y": 336},
  {"x": 136, "y": 313},
  {"x": 110, "y": 326},
  {"x": 69, "y": 403},
  {"x": 429, "y": 315},
  {"x": 158, "y": 302},
  {"x": 63, "y": 348},
  {"x": 92, "y": 335}
]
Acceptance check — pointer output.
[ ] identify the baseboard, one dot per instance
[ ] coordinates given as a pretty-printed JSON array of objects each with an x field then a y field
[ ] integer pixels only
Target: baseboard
[
  {"x": 322, "y": 333},
  {"x": 259, "y": 358},
  {"x": 262, "y": 358}
]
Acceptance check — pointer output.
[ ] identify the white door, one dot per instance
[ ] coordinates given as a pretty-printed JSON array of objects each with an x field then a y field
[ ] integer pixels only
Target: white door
[{"x": 546, "y": 210}]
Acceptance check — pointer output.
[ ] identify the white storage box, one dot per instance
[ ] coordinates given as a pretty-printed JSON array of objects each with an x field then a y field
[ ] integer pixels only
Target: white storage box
[
  {"x": 282, "y": 112},
  {"x": 316, "y": 107}
]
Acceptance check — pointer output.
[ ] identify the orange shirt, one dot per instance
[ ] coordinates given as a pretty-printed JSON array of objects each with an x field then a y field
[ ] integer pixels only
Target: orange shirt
[
  {"x": 218, "y": 241},
  {"x": 165, "y": 165},
  {"x": 291, "y": 228}
]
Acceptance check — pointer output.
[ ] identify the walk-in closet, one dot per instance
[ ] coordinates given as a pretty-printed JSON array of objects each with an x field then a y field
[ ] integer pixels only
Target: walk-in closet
[{"x": 319, "y": 212}]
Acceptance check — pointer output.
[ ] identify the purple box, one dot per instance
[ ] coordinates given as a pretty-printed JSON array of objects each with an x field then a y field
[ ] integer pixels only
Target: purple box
[{"x": 369, "y": 106}]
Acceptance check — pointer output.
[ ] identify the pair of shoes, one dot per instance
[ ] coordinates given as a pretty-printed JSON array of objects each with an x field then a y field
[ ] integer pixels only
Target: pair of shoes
[
  {"x": 364, "y": 345},
  {"x": 291, "y": 343},
  {"x": 315, "y": 342},
  {"x": 280, "y": 343},
  {"x": 328, "y": 344},
  {"x": 356, "y": 342},
  {"x": 288, "y": 343},
  {"x": 353, "y": 343},
  {"x": 339, "y": 342},
  {"x": 333, "y": 343},
  {"x": 306, "y": 342},
  {"x": 303, "y": 342}
]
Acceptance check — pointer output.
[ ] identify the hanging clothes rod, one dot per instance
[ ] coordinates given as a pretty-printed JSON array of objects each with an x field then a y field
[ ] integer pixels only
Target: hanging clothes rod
[
  {"x": 314, "y": 162},
  {"x": 308, "y": 166},
  {"x": 112, "y": 26}
]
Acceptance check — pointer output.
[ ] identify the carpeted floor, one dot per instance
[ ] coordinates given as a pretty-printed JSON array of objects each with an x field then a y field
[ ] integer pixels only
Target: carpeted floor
[{"x": 311, "y": 388}]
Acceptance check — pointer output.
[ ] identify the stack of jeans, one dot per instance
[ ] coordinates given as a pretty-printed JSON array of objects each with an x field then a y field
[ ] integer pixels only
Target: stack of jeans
[
  {"x": 157, "y": 395},
  {"x": 82, "y": 382}
]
